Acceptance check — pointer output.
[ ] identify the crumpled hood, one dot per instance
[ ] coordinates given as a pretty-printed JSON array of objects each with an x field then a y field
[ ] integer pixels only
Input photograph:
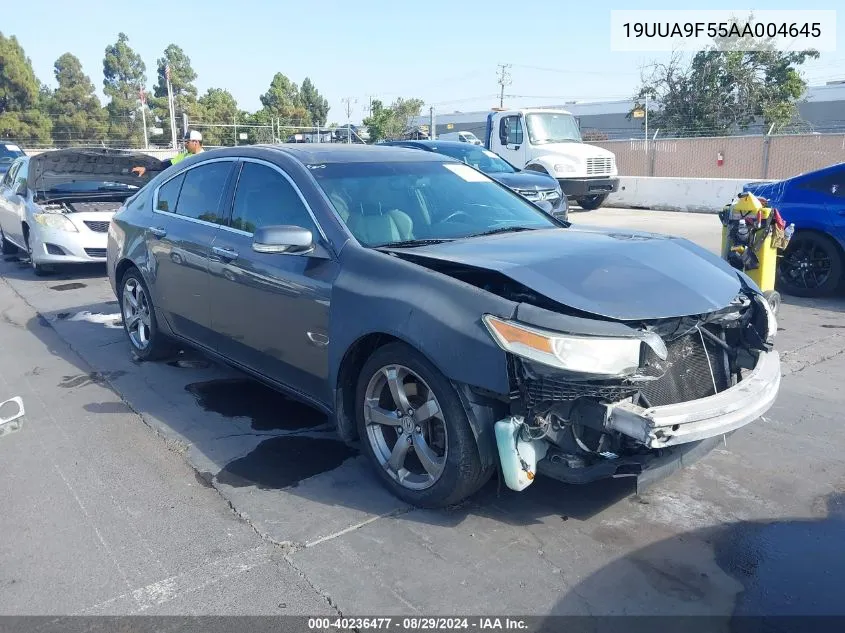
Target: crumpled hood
[
  {"x": 526, "y": 180},
  {"x": 51, "y": 168},
  {"x": 615, "y": 274}
]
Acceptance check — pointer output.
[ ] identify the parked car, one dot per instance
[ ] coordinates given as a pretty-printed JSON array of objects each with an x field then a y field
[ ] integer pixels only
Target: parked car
[
  {"x": 812, "y": 264},
  {"x": 461, "y": 137},
  {"x": 425, "y": 307},
  {"x": 56, "y": 206},
  {"x": 8, "y": 153},
  {"x": 532, "y": 185}
]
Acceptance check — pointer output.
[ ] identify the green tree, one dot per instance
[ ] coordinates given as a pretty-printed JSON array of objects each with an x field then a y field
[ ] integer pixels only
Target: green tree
[
  {"x": 393, "y": 122},
  {"x": 182, "y": 77},
  {"x": 21, "y": 97},
  {"x": 124, "y": 75},
  {"x": 314, "y": 102},
  {"x": 283, "y": 101},
  {"x": 731, "y": 85},
  {"x": 218, "y": 106},
  {"x": 78, "y": 117}
]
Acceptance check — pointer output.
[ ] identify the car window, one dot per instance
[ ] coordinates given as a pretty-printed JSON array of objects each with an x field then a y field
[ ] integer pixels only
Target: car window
[
  {"x": 9, "y": 178},
  {"x": 202, "y": 191},
  {"x": 396, "y": 201},
  {"x": 168, "y": 194},
  {"x": 829, "y": 184},
  {"x": 266, "y": 198},
  {"x": 20, "y": 175},
  {"x": 510, "y": 130}
]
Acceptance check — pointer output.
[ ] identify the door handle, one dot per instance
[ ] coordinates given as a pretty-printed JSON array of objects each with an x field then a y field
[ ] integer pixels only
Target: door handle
[
  {"x": 157, "y": 231},
  {"x": 224, "y": 253}
]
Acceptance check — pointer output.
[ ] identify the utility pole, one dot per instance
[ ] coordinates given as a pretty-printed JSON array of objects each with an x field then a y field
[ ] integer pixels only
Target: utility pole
[
  {"x": 646, "y": 117},
  {"x": 143, "y": 96},
  {"x": 431, "y": 133},
  {"x": 504, "y": 79},
  {"x": 171, "y": 104},
  {"x": 349, "y": 101}
]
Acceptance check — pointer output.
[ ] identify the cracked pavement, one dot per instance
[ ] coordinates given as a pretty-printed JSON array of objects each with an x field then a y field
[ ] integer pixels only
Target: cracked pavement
[{"x": 182, "y": 487}]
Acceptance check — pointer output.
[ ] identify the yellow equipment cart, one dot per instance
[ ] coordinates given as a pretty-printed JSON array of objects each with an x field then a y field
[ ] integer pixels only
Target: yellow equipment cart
[{"x": 752, "y": 234}]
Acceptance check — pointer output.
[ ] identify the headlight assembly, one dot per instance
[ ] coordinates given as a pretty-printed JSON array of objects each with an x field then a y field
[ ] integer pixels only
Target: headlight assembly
[
  {"x": 598, "y": 356},
  {"x": 55, "y": 221}
]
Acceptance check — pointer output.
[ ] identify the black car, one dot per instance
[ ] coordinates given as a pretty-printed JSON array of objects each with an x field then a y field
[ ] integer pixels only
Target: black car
[
  {"x": 533, "y": 186},
  {"x": 441, "y": 319}
]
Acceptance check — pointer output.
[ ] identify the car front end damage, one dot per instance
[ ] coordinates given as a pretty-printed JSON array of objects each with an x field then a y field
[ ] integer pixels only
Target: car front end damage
[{"x": 640, "y": 403}]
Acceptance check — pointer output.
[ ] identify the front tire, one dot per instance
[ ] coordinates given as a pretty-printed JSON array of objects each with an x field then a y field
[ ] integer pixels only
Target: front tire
[
  {"x": 40, "y": 270},
  {"x": 414, "y": 429},
  {"x": 139, "y": 320},
  {"x": 811, "y": 266},
  {"x": 591, "y": 203}
]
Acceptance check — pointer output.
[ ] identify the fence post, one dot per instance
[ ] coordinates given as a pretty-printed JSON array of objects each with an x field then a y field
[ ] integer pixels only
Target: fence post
[
  {"x": 652, "y": 154},
  {"x": 766, "y": 141}
]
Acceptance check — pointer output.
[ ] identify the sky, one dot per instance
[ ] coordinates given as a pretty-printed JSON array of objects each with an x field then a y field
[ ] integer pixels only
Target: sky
[{"x": 444, "y": 52}]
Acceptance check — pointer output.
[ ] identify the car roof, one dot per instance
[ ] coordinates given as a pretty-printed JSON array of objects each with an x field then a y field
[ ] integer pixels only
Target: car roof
[
  {"x": 435, "y": 143},
  {"x": 312, "y": 153}
]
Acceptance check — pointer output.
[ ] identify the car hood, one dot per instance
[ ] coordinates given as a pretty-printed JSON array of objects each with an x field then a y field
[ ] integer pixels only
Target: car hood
[
  {"x": 525, "y": 180},
  {"x": 51, "y": 168},
  {"x": 614, "y": 274}
]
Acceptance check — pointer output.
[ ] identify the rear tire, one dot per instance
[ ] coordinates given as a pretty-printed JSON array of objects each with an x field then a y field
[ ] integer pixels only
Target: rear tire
[
  {"x": 591, "y": 203},
  {"x": 811, "y": 266},
  {"x": 445, "y": 439},
  {"x": 139, "y": 319}
]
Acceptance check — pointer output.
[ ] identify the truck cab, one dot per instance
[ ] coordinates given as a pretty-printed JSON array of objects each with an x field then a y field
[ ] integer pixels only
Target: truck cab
[{"x": 549, "y": 141}]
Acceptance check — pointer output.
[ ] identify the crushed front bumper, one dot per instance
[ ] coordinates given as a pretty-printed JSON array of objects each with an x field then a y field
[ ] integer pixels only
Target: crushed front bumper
[{"x": 673, "y": 424}]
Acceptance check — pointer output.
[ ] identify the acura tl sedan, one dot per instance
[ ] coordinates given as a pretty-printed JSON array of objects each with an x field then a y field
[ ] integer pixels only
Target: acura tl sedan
[{"x": 444, "y": 322}]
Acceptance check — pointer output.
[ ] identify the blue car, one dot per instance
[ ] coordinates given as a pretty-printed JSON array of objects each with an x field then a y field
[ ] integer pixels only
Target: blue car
[
  {"x": 812, "y": 264},
  {"x": 536, "y": 187}
]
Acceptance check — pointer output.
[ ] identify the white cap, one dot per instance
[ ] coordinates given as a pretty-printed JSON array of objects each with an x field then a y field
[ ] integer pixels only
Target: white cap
[{"x": 193, "y": 135}]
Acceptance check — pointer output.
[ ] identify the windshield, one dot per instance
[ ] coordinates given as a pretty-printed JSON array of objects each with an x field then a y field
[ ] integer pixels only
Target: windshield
[
  {"x": 389, "y": 202},
  {"x": 549, "y": 127},
  {"x": 478, "y": 157},
  {"x": 8, "y": 153}
]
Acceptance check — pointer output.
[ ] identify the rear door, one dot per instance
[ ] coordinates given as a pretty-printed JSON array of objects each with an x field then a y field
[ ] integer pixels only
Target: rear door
[
  {"x": 187, "y": 216},
  {"x": 271, "y": 310}
]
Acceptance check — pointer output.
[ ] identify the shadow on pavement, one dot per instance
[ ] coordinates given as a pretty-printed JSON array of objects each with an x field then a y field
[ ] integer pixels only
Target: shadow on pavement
[
  {"x": 737, "y": 577},
  {"x": 255, "y": 436},
  {"x": 17, "y": 267}
]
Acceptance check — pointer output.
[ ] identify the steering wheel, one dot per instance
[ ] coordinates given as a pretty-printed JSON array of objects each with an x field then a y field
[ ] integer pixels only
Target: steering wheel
[{"x": 456, "y": 214}]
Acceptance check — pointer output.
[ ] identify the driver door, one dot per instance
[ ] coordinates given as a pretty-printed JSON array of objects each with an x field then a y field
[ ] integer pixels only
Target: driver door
[{"x": 512, "y": 138}]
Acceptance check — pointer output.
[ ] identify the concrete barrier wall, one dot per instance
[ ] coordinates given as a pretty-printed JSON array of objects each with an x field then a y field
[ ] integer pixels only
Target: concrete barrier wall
[{"x": 695, "y": 195}]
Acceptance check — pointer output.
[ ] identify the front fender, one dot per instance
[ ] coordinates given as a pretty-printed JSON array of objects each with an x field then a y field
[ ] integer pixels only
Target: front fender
[{"x": 545, "y": 163}]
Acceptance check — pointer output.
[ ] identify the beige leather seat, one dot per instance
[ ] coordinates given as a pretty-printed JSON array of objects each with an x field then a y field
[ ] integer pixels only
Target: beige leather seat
[{"x": 379, "y": 228}]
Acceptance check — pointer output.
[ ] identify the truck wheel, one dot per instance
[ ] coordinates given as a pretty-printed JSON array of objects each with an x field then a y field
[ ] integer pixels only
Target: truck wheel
[
  {"x": 811, "y": 266},
  {"x": 590, "y": 203},
  {"x": 414, "y": 429}
]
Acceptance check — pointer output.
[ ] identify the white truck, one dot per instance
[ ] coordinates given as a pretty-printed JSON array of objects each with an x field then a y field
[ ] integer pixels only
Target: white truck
[{"x": 549, "y": 141}]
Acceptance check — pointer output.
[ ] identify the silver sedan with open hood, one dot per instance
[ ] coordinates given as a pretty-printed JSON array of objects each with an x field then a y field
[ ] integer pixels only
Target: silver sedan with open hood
[{"x": 56, "y": 206}]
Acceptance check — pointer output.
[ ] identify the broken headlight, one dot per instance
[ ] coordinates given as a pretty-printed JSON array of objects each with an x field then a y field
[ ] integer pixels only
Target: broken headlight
[
  {"x": 598, "y": 356},
  {"x": 771, "y": 319}
]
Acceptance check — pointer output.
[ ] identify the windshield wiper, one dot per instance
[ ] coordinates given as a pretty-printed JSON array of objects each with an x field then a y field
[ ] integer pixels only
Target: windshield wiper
[
  {"x": 505, "y": 229},
  {"x": 407, "y": 243}
]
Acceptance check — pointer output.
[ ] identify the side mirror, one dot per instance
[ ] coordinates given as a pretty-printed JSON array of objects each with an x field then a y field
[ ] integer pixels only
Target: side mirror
[
  {"x": 21, "y": 190},
  {"x": 282, "y": 239}
]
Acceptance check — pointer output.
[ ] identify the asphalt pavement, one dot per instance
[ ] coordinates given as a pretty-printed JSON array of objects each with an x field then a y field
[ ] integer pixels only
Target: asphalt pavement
[{"x": 183, "y": 487}]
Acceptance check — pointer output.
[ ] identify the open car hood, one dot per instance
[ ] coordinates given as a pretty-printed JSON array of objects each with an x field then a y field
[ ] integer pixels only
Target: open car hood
[
  {"x": 615, "y": 274},
  {"x": 51, "y": 168}
]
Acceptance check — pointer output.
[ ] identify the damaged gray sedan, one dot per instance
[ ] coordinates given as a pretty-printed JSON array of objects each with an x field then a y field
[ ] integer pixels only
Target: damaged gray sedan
[{"x": 447, "y": 324}]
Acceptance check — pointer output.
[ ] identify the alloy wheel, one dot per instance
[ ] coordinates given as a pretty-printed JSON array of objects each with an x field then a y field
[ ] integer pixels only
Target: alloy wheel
[
  {"x": 405, "y": 427},
  {"x": 807, "y": 267},
  {"x": 136, "y": 313}
]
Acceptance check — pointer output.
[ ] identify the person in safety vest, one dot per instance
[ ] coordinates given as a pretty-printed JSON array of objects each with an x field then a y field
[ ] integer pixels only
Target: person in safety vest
[{"x": 193, "y": 145}]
